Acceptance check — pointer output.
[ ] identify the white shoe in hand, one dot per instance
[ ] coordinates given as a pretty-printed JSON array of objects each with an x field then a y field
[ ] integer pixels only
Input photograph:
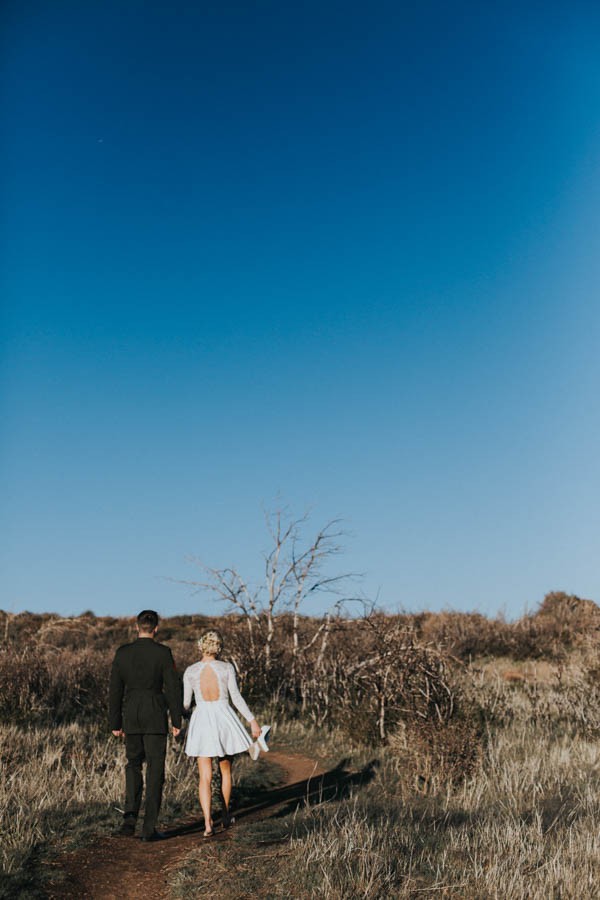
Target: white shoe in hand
[
  {"x": 262, "y": 740},
  {"x": 254, "y": 750}
]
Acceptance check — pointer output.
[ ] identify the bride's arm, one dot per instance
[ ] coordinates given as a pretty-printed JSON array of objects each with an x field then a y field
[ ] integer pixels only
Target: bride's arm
[{"x": 239, "y": 702}]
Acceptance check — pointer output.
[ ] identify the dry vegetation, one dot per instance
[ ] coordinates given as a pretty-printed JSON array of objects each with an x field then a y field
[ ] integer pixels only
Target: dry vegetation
[{"x": 487, "y": 732}]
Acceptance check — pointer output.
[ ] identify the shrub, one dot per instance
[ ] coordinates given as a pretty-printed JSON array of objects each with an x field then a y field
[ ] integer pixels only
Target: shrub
[{"x": 52, "y": 687}]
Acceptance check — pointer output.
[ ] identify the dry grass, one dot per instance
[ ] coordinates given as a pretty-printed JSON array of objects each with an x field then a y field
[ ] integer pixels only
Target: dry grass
[
  {"x": 489, "y": 778},
  {"x": 524, "y": 826},
  {"x": 41, "y": 768},
  {"x": 62, "y": 786}
]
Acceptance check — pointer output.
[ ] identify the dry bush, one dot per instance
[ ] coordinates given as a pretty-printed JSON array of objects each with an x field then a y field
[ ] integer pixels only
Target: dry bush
[
  {"x": 55, "y": 670},
  {"x": 43, "y": 685},
  {"x": 377, "y": 674},
  {"x": 563, "y": 622},
  {"x": 434, "y": 754},
  {"x": 465, "y": 635},
  {"x": 365, "y": 674},
  {"x": 566, "y": 621},
  {"x": 58, "y": 632}
]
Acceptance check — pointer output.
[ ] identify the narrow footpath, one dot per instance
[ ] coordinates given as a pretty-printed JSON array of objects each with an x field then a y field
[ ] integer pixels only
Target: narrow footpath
[{"x": 121, "y": 868}]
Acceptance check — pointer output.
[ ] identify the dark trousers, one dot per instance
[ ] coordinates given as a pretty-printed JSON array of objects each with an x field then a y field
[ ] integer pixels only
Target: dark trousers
[{"x": 152, "y": 749}]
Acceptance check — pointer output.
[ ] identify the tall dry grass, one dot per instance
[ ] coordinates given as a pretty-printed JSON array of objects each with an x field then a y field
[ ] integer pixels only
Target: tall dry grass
[
  {"x": 58, "y": 783},
  {"x": 523, "y": 826}
]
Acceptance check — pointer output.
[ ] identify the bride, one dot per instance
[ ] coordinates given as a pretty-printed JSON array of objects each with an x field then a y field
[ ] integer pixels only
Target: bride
[{"x": 214, "y": 728}]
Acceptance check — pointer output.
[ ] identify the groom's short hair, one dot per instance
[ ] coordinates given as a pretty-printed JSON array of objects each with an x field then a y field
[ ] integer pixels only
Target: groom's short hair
[{"x": 147, "y": 621}]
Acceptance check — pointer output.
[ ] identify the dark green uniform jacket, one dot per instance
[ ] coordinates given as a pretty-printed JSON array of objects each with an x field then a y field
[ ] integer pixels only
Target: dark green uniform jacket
[{"x": 143, "y": 686}]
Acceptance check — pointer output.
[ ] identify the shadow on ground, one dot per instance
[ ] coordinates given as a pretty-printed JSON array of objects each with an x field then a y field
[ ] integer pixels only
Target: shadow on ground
[{"x": 332, "y": 785}]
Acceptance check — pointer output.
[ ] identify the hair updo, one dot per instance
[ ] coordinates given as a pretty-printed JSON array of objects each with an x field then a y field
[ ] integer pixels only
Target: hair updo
[{"x": 211, "y": 643}]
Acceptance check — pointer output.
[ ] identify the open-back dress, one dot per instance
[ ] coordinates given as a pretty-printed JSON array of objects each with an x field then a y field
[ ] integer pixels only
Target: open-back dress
[{"x": 214, "y": 728}]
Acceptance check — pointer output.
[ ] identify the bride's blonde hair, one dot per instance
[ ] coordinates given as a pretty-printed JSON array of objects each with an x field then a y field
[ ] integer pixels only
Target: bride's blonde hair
[{"x": 211, "y": 642}]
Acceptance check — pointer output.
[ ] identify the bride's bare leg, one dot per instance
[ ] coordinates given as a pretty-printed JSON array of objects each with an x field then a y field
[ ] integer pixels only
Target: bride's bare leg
[
  {"x": 204, "y": 790},
  {"x": 225, "y": 767}
]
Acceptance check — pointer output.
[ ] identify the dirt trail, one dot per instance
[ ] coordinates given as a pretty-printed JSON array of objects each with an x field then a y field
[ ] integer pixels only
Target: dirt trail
[{"x": 121, "y": 868}]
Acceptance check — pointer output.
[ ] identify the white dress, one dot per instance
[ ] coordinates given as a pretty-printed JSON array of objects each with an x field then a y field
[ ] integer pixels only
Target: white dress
[{"x": 214, "y": 728}]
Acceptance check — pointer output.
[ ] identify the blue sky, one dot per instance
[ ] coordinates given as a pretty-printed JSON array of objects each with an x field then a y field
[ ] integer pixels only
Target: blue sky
[{"x": 341, "y": 254}]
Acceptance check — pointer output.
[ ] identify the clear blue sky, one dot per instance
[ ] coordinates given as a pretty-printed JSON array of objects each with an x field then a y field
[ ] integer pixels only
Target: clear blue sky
[{"x": 344, "y": 253}]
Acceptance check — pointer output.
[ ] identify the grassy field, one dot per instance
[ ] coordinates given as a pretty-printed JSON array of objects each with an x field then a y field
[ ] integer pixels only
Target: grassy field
[{"x": 495, "y": 794}]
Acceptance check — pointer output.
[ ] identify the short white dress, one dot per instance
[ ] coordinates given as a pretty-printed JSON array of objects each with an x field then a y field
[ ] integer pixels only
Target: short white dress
[{"x": 214, "y": 728}]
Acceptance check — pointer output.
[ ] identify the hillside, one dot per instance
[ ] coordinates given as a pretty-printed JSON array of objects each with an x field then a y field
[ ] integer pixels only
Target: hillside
[{"x": 476, "y": 739}]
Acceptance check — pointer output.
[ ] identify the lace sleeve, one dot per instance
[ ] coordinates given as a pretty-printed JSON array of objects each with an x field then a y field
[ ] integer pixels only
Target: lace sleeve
[
  {"x": 237, "y": 699},
  {"x": 187, "y": 689}
]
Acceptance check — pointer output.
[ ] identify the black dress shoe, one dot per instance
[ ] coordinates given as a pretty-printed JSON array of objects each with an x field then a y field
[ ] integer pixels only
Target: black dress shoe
[
  {"x": 155, "y": 836},
  {"x": 127, "y": 829}
]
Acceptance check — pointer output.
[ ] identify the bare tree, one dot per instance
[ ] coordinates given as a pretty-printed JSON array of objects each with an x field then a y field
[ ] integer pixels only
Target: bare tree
[
  {"x": 294, "y": 569},
  {"x": 228, "y": 586}
]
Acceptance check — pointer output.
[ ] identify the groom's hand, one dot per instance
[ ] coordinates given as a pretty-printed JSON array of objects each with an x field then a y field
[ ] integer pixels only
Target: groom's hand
[
  {"x": 119, "y": 733},
  {"x": 176, "y": 731}
]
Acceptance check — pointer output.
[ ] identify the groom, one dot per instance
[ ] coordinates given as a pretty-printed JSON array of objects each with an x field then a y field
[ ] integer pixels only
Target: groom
[{"x": 143, "y": 685}]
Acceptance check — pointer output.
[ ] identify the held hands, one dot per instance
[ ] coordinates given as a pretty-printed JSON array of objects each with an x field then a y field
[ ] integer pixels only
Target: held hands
[
  {"x": 176, "y": 731},
  {"x": 254, "y": 729}
]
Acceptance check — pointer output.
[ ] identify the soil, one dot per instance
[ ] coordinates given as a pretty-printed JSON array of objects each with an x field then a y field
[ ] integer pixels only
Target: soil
[{"x": 125, "y": 868}]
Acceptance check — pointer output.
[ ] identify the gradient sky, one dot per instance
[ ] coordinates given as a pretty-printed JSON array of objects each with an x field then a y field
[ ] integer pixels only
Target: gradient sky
[{"x": 344, "y": 254}]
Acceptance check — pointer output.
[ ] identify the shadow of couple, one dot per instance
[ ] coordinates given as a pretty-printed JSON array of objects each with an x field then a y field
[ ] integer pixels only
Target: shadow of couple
[{"x": 335, "y": 784}]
